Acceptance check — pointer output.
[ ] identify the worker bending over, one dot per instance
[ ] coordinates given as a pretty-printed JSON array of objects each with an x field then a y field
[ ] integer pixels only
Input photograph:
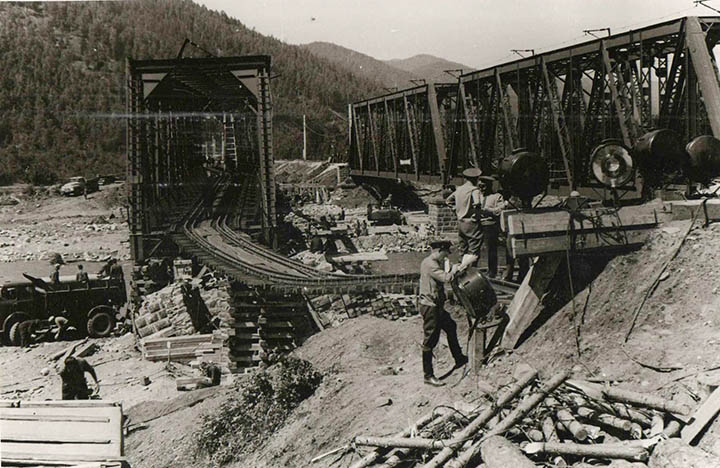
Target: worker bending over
[
  {"x": 467, "y": 201},
  {"x": 432, "y": 309},
  {"x": 74, "y": 385}
]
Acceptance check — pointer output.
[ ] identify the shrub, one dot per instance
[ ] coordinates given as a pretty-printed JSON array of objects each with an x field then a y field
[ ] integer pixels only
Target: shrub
[{"x": 258, "y": 410}]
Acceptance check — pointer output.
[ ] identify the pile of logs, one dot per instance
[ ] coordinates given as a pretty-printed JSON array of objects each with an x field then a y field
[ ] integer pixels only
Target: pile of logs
[
  {"x": 334, "y": 308},
  {"x": 557, "y": 422},
  {"x": 170, "y": 308}
]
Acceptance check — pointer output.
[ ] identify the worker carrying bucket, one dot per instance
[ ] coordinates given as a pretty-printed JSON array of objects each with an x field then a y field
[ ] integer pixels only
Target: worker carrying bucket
[{"x": 477, "y": 296}]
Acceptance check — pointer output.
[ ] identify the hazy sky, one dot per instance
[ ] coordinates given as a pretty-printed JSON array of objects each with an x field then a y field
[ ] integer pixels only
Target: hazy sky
[{"x": 477, "y": 33}]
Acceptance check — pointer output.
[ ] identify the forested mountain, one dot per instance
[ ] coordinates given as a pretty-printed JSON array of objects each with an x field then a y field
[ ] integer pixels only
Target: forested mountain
[
  {"x": 429, "y": 67},
  {"x": 362, "y": 65},
  {"x": 63, "y": 78}
]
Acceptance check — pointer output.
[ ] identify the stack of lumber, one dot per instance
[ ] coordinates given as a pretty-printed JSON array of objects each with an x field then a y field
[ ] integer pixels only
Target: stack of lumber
[
  {"x": 61, "y": 433},
  {"x": 209, "y": 347},
  {"x": 262, "y": 330},
  {"x": 332, "y": 309},
  {"x": 546, "y": 231},
  {"x": 556, "y": 422}
]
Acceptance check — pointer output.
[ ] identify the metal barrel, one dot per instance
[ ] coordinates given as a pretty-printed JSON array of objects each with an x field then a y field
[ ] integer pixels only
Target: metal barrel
[
  {"x": 524, "y": 173},
  {"x": 660, "y": 152},
  {"x": 475, "y": 292},
  {"x": 704, "y": 153}
]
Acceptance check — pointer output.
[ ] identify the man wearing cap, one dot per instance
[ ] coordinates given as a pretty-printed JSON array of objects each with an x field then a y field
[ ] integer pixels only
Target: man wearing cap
[
  {"x": 493, "y": 205},
  {"x": 432, "y": 309},
  {"x": 467, "y": 200}
]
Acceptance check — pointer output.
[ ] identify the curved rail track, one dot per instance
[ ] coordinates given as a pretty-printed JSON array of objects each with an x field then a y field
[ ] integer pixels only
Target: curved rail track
[{"x": 213, "y": 241}]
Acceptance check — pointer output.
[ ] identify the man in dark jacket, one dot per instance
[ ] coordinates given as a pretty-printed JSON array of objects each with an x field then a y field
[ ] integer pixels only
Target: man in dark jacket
[
  {"x": 432, "y": 309},
  {"x": 74, "y": 385}
]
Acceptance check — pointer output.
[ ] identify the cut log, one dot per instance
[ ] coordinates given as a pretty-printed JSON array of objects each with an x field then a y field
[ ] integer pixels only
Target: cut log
[
  {"x": 648, "y": 401},
  {"x": 511, "y": 419},
  {"x": 674, "y": 453},
  {"x": 624, "y": 411},
  {"x": 370, "y": 458},
  {"x": 618, "y": 238},
  {"x": 525, "y": 306},
  {"x": 404, "y": 442},
  {"x": 582, "y": 450},
  {"x": 571, "y": 425},
  {"x": 483, "y": 418},
  {"x": 702, "y": 417},
  {"x": 550, "y": 435},
  {"x": 498, "y": 452}
]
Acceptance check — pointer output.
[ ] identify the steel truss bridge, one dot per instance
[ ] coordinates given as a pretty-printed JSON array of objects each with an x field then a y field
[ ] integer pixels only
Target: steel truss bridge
[
  {"x": 186, "y": 197},
  {"x": 560, "y": 104}
]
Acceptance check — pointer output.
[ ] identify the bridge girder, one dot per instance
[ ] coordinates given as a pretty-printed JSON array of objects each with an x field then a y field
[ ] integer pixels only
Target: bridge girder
[
  {"x": 176, "y": 109},
  {"x": 560, "y": 103}
]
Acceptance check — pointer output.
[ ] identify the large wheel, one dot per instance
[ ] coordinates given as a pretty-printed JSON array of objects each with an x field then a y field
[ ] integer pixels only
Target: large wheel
[
  {"x": 14, "y": 335},
  {"x": 101, "y": 324}
]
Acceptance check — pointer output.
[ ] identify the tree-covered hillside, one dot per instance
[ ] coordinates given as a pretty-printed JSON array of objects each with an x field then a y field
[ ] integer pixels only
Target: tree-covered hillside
[{"x": 63, "y": 79}]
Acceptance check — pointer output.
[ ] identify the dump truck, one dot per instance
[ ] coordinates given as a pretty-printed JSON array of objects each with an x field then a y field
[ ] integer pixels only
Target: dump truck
[{"x": 92, "y": 307}]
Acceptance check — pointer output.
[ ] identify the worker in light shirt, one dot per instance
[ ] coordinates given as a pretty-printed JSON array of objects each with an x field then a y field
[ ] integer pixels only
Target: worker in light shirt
[{"x": 467, "y": 200}]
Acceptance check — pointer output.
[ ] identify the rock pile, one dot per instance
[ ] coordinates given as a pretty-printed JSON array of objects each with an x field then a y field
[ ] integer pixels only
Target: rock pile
[{"x": 335, "y": 308}]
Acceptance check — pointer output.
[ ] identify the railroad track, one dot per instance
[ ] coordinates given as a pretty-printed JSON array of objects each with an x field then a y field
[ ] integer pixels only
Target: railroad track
[{"x": 214, "y": 243}]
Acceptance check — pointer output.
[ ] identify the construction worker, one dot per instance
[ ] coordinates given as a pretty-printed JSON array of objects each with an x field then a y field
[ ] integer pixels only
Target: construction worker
[
  {"x": 467, "y": 201},
  {"x": 26, "y": 329},
  {"x": 60, "y": 322},
  {"x": 55, "y": 275},
  {"x": 493, "y": 205},
  {"x": 81, "y": 276},
  {"x": 74, "y": 385},
  {"x": 431, "y": 304}
]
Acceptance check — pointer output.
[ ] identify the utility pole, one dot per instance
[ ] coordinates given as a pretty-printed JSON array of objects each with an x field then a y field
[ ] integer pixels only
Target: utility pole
[{"x": 304, "y": 140}]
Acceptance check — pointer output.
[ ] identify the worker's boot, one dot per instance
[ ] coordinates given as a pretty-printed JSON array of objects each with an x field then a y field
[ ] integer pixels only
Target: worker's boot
[{"x": 430, "y": 378}]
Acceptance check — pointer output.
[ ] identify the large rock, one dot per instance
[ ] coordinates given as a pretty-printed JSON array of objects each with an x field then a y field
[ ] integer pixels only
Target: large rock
[{"x": 674, "y": 453}]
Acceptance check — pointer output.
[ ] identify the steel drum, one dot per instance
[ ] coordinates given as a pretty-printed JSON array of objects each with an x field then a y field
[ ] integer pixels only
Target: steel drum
[
  {"x": 524, "y": 173},
  {"x": 660, "y": 152},
  {"x": 704, "y": 152},
  {"x": 475, "y": 292}
]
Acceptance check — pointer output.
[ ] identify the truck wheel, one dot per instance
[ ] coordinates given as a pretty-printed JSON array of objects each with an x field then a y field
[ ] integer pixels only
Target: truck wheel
[
  {"x": 15, "y": 334},
  {"x": 101, "y": 324}
]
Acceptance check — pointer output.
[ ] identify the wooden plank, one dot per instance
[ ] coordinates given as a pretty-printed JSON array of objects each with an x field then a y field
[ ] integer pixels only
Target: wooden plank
[
  {"x": 686, "y": 209},
  {"x": 703, "y": 416},
  {"x": 561, "y": 243},
  {"x": 52, "y": 417},
  {"x": 180, "y": 339},
  {"x": 525, "y": 306},
  {"x": 62, "y": 438},
  {"x": 360, "y": 257},
  {"x": 59, "y": 459},
  {"x": 588, "y": 220}
]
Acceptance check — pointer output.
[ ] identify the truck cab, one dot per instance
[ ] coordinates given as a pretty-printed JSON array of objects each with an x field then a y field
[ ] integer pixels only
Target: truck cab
[{"x": 91, "y": 307}]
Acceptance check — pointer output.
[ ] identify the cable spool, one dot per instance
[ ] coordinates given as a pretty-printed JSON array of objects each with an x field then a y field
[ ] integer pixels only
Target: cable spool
[
  {"x": 524, "y": 173},
  {"x": 612, "y": 164},
  {"x": 704, "y": 152}
]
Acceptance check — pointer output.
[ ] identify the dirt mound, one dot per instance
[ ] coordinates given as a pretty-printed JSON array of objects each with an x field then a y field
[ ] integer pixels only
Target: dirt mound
[
  {"x": 676, "y": 331},
  {"x": 373, "y": 385}
]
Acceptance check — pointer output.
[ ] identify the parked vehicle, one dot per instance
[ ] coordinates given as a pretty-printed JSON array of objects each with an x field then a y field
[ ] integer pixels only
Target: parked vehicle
[
  {"x": 78, "y": 185},
  {"x": 91, "y": 307}
]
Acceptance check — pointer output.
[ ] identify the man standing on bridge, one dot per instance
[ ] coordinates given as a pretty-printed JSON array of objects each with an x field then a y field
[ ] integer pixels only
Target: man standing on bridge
[
  {"x": 467, "y": 201},
  {"x": 432, "y": 309}
]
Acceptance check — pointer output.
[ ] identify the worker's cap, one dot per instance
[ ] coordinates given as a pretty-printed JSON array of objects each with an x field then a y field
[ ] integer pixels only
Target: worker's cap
[
  {"x": 442, "y": 244},
  {"x": 472, "y": 172}
]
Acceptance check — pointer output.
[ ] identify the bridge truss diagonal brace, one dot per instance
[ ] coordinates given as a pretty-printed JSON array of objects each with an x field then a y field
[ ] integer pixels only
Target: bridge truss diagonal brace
[
  {"x": 705, "y": 70},
  {"x": 437, "y": 131},
  {"x": 615, "y": 84},
  {"x": 558, "y": 121}
]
